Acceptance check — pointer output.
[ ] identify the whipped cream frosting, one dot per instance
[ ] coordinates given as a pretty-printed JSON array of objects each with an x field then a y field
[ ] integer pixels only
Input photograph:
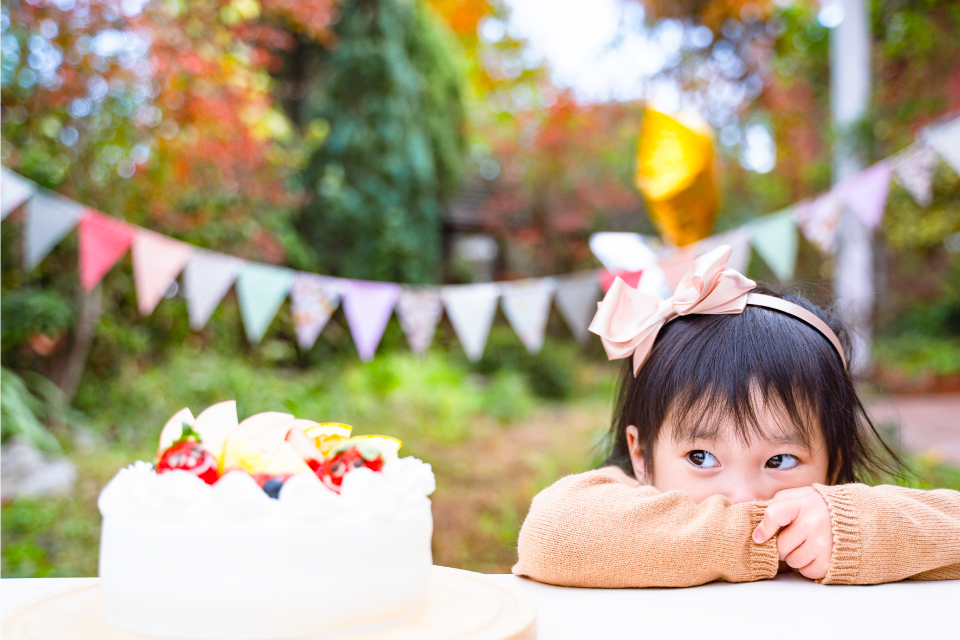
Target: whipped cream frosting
[{"x": 137, "y": 492}]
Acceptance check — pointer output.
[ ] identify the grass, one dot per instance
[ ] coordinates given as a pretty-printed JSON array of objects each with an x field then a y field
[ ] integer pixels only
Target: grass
[{"x": 492, "y": 442}]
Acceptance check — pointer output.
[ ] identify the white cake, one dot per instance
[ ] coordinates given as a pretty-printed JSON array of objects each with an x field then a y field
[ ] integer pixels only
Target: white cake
[{"x": 181, "y": 557}]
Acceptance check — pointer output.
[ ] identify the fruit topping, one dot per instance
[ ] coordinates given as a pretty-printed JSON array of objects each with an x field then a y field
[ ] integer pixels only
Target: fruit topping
[
  {"x": 272, "y": 486},
  {"x": 285, "y": 461},
  {"x": 333, "y": 469},
  {"x": 214, "y": 424},
  {"x": 173, "y": 430},
  {"x": 327, "y": 435},
  {"x": 187, "y": 454}
]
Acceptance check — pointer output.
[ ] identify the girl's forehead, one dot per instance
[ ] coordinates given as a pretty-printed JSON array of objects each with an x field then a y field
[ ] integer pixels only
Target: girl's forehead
[{"x": 756, "y": 420}]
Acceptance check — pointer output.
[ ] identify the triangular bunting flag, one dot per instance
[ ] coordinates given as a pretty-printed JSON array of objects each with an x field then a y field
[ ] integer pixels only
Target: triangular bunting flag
[
  {"x": 913, "y": 169},
  {"x": 739, "y": 241},
  {"x": 368, "y": 306},
  {"x": 103, "y": 241},
  {"x": 471, "y": 308},
  {"x": 261, "y": 289},
  {"x": 945, "y": 140},
  {"x": 157, "y": 261},
  {"x": 313, "y": 300},
  {"x": 49, "y": 218},
  {"x": 14, "y": 191},
  {"x": 819, "y": 220},
  {"x": 606, "y": 278},
  {"x": 775, "y": 239},
  {"x": 526, "y": 303},
  {"x": 419, "y": 310},
  {"x": 206, "y": 279},
  {"x": 865, "y": 193},
  {"x": 577, "y": 297},
  {"x": 675, "y": 266}
]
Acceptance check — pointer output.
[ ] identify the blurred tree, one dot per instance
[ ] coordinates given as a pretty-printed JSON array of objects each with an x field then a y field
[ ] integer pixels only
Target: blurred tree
[{"x": 387, "y": 100}]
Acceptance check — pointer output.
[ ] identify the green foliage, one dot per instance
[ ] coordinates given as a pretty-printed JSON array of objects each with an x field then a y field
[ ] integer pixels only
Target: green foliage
[
  {"x": 30, "y": 310},
  {"x": 549, "y": 374},
  {"x": 19, "y": 409},
  {"x": 390, "y": 93}
]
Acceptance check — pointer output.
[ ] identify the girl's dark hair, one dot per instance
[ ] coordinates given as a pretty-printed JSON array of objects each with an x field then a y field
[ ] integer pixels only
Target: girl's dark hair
[{"x": 704, "y": 369}]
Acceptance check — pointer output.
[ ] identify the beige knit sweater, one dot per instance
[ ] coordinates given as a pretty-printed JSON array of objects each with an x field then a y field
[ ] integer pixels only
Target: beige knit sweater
[{"x": 604, "y": 529}]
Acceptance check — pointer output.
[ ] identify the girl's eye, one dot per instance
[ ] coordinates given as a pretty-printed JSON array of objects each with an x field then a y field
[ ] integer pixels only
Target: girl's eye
[
  {"x": 782, "y": 461},
  {"x": 703, "y": 459}
]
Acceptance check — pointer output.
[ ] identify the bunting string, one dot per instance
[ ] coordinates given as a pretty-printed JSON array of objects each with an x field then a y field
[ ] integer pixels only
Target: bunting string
[{"x": 261, "y": 289}]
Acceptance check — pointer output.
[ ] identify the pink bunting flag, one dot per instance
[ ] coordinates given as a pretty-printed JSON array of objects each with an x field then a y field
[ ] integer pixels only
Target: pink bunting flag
[
  {"x": 157, "y": 261},
  {"x": 865, "y": 193},
  {"x": 103, "y": 241},
  {"x": 606, "y": 278},
  {"x": 368, "y": 307},
  {"x": 819, "y": 220},
  {"x": 314, "y": 299}
]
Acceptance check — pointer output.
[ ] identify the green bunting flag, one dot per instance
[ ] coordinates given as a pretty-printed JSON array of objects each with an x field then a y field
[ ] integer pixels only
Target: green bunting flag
[
  {"x": 261, "y": 289},
  {"x": 775, "y": 239}
]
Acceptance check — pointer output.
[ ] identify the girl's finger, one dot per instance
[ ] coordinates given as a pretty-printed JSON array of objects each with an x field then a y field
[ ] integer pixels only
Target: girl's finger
[
  {"x": 801, "y": 557},
  {"x": 816, "y": 570},
  {"x": 789, "y": 539},
  {"x": 778, "y": 514}
]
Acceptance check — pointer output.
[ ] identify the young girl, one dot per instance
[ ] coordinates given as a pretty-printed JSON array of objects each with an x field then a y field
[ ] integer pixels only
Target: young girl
[{"x": 738, "y": 440}]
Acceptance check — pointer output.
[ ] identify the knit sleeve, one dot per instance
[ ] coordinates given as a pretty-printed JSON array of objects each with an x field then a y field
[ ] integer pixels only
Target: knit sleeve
[
  {"x": 603, "y": 529},
  {"x": 887, "y": 533}
]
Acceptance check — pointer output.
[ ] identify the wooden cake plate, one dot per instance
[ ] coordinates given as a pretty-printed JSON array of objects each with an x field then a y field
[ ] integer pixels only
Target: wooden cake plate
[{"x": 460, "y": 606}]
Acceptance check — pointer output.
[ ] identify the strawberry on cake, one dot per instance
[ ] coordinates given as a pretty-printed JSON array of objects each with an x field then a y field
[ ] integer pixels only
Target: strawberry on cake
[{"x": 274, "y": 527}]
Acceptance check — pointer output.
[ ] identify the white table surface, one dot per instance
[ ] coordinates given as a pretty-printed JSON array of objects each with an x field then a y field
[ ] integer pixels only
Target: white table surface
[{"x": 787, "y": 607}]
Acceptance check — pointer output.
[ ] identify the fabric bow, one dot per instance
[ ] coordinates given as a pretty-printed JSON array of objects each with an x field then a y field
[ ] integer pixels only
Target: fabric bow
[{"x": 628, "y": 320}]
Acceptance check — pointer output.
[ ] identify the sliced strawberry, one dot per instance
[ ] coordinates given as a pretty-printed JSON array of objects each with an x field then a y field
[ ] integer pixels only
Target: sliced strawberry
[
  {"x": 190, "y": 456},
  {"x": 333, "y": 469}
]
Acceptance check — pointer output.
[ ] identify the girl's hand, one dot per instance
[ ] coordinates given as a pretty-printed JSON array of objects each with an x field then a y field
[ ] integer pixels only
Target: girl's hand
[{"x": 806, "y": 538}]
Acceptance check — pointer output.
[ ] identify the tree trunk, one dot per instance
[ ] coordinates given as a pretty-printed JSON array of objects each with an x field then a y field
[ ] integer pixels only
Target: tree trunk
[{"x": 89, "y": 310}]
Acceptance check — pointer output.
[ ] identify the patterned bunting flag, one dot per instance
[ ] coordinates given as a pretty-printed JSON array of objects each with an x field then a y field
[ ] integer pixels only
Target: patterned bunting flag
[
  {"x": 313, "y": 300},
  {"x": 775, "y": 239},
  {"x": 913, "y": 169},
  {"x": 819, "y": 220},
  {"x": 206, "y": 279},
  {"x": 577, "y": 297},
  {"x": 471, "y": 308},
  {"x": 945, "y": 141},
  {"x": 103, "y": 241},
  {"x": 157, "y": 261},
  {"x": 368, "y": 306},
  {"x": 14, "y": 191},
  {"x": 526, "y": 303},
  {"x": 261, "y": 289},
  {"x": 49, "y": 218},
  {"x": 419, "y": 310},
  {"x": 865, "y": 193}
]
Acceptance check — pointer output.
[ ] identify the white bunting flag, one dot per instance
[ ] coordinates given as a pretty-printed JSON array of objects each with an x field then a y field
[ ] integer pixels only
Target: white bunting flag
[
  {"x": 739, "y": 241},
  {"x": 945, "y": 141},
  {"x": 576, "y": 296},
  {"x": 419, "y": 310},
  {"x": 775, "y": 239},
  {"x": 913, "y": 169},
  {"x": 313, "y": 300},
  {"x": 206, "y": 279},
  {"x": 471, "y": 308},
  {"x": 14, "y": 191},
  {"x": 157, "y": 261},
  {"x": 50, "y": 218},
  {"x": 526, "y": 303}
]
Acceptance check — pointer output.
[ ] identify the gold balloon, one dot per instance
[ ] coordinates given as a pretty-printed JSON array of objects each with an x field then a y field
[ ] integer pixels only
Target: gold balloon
[{"x": 675, "y": 173}]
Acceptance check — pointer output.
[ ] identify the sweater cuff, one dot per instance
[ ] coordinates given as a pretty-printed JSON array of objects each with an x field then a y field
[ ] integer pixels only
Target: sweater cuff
[
  {"x": 763, "y": 560},
  {"x": 845, "y": 560}
]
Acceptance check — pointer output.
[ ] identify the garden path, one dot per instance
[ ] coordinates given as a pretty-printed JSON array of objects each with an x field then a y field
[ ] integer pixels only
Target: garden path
[{"x": 929, "y": 423}]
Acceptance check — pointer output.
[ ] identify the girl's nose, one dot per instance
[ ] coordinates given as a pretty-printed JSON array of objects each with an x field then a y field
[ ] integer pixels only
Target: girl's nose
[{"x": 743, "y": 492}]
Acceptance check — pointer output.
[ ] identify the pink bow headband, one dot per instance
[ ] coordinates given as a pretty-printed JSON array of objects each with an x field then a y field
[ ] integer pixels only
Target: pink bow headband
[{"x": 628, "y": 320}]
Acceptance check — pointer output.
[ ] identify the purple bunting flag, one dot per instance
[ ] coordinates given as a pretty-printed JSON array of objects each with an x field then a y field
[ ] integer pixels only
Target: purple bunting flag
[{"x": 368, "y": 307}]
